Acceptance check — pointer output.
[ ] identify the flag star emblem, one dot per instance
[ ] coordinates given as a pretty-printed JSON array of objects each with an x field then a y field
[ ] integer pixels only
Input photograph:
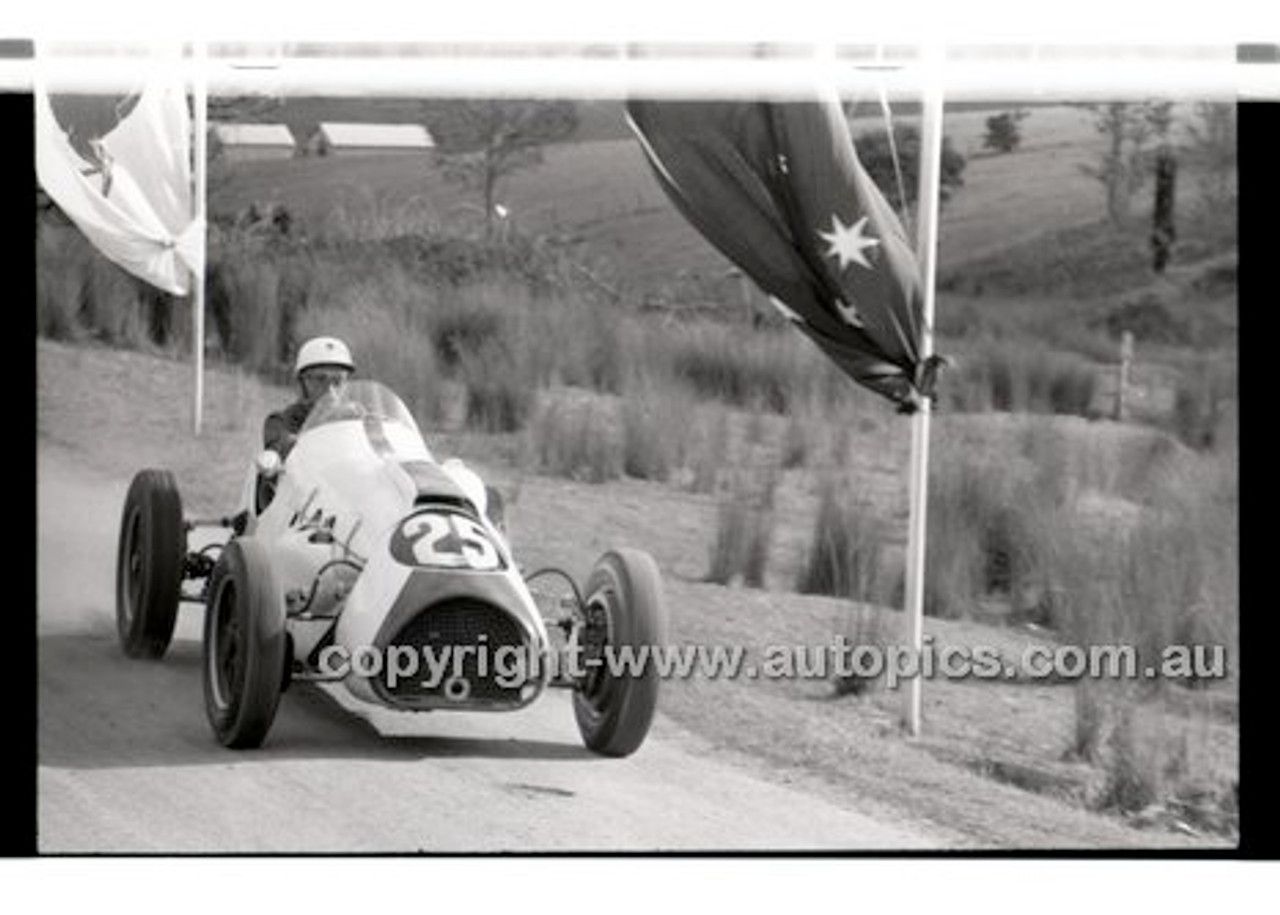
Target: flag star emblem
[
  {"x": 849, "y": 312},
  {"x": 848, "y": 243}
]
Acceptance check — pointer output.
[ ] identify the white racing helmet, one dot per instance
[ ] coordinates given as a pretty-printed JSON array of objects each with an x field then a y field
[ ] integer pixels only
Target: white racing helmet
[{"x": 323, "y": 351}]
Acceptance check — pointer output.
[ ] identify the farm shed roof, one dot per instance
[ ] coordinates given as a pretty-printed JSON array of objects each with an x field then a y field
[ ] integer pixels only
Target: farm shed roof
[
  {"x": 409, "y": 136},
  {"x": 253, "y": 134}
]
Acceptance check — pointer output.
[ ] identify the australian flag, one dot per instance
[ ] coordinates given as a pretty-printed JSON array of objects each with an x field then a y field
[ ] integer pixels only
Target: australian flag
[{"x": 778, "y": 189}]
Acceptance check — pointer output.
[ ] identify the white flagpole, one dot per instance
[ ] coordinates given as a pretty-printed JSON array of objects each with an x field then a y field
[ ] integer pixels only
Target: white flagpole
[
  {"x": 926, "y": 250},
  {"x": 200, "y": 98}
]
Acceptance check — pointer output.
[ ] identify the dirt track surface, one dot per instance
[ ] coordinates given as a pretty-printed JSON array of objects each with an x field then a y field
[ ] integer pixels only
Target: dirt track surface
[{"x": 128, "y": 763}]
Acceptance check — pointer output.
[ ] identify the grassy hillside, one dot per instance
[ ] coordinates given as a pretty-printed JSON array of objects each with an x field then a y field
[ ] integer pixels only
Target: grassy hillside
[{"x": 601, "y": 192}]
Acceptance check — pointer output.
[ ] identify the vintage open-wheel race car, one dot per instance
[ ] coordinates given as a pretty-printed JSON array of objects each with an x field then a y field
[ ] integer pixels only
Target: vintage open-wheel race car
[{"x": 363, "y": 561}]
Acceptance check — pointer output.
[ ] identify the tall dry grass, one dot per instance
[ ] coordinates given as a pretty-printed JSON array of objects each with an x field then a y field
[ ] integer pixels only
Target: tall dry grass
[
  {"x": 744, "y": 529},
  {"x": 579, "y": 441},
  {"x": 1021, "y": 377},
  {"x": 761, "y": 369},
  {"x": 1071, "y": 458},
  {"x": 462, "y": 322},
  {"x": 251, "y": 332},
  {"x": 846, "y": 551},
  {"x": 59, "y": 283},
  {"x": 1204, "y": 402},
  {"x": 499, "y": 386},
  {"x": 1164, "y": 581},
  {"x": 706, "y": 448},
  {"x": 985, "y": 526},
  {"x": 655, "y": 431},
  {"x": 361, "y": 215},
  {"x": 79, "y": 293}
]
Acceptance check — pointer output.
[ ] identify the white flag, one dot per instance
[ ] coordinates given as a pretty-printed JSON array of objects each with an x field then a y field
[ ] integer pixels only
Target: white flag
[{"x": 133, "y": 199}]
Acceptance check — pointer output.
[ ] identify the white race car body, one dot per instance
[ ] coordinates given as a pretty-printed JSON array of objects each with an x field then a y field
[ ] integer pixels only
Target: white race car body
[
  {"x": 374, "y": 543},
  {"x": 363, "y": 560}
]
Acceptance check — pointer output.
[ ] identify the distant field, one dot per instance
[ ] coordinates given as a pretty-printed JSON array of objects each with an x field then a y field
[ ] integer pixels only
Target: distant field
[{"x": 602, "y": 193}]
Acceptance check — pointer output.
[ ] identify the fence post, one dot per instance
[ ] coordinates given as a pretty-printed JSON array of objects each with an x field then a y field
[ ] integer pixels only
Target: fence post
[{"x": 1122, "y": 386}]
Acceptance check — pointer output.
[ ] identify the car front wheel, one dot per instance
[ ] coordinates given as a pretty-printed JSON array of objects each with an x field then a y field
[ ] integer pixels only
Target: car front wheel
[
  {"x": 625, "y": 613},
  {"x": 244, "y": 646}
]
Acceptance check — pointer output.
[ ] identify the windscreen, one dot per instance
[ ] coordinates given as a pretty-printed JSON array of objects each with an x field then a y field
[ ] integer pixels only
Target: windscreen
[{"x": 358, "y": 399}]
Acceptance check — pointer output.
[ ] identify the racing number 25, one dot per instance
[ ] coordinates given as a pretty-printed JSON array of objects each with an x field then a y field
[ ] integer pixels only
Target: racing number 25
[{"x": 450, "y": 540}]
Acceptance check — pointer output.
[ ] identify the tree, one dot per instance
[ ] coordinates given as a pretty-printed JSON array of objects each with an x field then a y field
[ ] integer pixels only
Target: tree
[
  {"x": 1125, "y": 162},
  {"x": 1003, "y": 134},
  {"x": 1213, "y": 150},
  {"x": 1164, "y": 230},
  {"x": 481, "y": 141},
  {"x": 876, "y": 156}
]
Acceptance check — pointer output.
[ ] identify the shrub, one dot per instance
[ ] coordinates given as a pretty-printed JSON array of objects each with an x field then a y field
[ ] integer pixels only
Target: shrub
[
  {"x": 1201, "y": 402},
  {"x": 1149, "y": 319},
  {"x": 741, "y": 368},
  {"x": 1003, "y": 134},
  {"x": 652, "y": 431},
  {"x": 454, "y": 261},
  {"x": 863, "y": 626},
  {"x": 1218, "y": 279},
  {"x": 1091, "y": 707},
  {"x": 460, "y": 327},
  {"x": 251, "y": 333},
  {"x": 1072, "y": 389},
  {"x": 1013, "y": 377},
  {"x": 1133, "y": 767},
  {"x": 500, "y": 392},
  {"x": 362, "y": 215},
  {"x": 744, "y": 531},
  {"x": 845, "y": 548},
  {"x": 987, "y": 526},
  {"x": 574, "y": 341},
  {"x": 577, "y": 442},
  {"x": 795, "y": 442},
  {"x": 60, "y": 270},
  {"x": 595, "y": 343},
  {"x": 706, "y": 452},
  {"x": 876, "y": 155},
  {"x": 1170, "y": 579},
  {"x": 1079, "y": 261},
  {"x": 84, "y": 292}
]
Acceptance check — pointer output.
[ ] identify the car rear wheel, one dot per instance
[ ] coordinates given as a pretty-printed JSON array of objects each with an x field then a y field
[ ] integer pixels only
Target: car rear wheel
[
  {"x": 625, "y": 610},
  {"x": 244, "y": 646},
  {"x": 149, "y": 558}
]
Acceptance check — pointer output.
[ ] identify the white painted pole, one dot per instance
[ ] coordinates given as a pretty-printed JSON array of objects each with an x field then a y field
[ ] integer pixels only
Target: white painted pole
[
  {"x": 918, "y": 484},
  {"x": 200, "y": 100}
]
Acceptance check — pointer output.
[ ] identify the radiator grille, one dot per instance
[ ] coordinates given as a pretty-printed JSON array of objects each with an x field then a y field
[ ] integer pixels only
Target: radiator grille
[{"x": 450, "y": 625}]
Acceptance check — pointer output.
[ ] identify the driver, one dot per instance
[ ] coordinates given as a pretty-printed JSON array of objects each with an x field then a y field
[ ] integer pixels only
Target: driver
[{"x": 324, "y": 364}]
